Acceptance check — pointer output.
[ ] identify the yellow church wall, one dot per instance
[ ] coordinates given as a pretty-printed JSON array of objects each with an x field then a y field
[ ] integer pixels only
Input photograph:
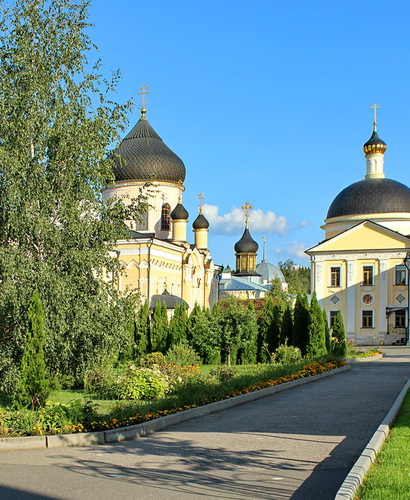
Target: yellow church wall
[
  {"x": 328, "y": 291},
  {"x": 364, "y": 238}
]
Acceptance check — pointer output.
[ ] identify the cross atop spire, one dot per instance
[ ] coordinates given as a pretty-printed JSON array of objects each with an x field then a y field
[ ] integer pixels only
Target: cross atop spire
[
  {"x": 374, "y": 107},
  {"x": 143, "y": 93},
  {"x": 246, "y": 208},
  {"x": 201, "y": 198}
]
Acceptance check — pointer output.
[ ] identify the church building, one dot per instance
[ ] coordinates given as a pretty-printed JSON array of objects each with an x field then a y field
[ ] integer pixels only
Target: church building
[
  {"x": 361, "y": 266},
  {"x": 250, "y": 280},
  {"x": 159, "y": 261}
]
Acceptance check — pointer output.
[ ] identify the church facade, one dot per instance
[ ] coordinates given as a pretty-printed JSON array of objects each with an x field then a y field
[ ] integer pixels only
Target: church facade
[
  {"x": 360, "y": 267},
  {"x": 157, "y": 258}
]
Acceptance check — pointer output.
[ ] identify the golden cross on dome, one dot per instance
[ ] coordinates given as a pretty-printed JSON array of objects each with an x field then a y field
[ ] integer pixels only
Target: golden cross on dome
[
  {"x": 144, "y": 92},
  {"x": 374, "y": 107},
  {"x": 246, "y": 208},
  {"x": 201, "y": 198}
]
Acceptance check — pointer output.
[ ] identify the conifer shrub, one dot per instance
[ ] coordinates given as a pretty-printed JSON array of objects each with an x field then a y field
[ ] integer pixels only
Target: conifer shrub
[
  {"x": 338, "y": 342},
  {"x": 182, "y": 355},
  {"x": 316, "y": 346},
  {"x": 34, "y": 387}
]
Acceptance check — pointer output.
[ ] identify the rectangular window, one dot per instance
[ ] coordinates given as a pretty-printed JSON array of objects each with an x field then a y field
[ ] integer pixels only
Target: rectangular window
[
  {"x": 400, "y": 319},
  {"x": 400, "y": 274},
  {"x": 332, "y": 316},
  {"x": 335, "y": 276},
  {"x": 367, "y": 275},
  {"x": 367, "y": 319},
  {"x": 142, "y": 222}
]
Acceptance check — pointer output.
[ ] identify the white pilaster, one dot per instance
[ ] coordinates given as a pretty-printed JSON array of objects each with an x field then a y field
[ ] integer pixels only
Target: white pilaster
[
  {"x": 383, "y": 273},
  {"x": 351, "y": 295}
]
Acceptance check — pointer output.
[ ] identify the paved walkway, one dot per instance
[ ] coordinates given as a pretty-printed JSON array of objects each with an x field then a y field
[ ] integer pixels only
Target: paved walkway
[{"x": 297, "y": 444}]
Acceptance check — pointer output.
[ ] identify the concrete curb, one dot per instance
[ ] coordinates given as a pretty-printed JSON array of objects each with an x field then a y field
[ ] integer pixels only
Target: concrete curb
[
  {"x": 350, "y": 361},
  {"x": 355, "y": 477},
  {"x": 158, "y": 424}
]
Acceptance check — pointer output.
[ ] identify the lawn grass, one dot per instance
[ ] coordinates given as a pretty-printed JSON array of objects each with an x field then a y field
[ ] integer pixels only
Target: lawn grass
[{"x": 389, "y": 476}]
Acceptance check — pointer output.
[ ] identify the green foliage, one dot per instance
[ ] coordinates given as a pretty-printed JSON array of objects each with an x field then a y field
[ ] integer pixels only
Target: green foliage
[
  {"x": 297, "y": 277},
  {"x": 287, "y": 326},
  {"x": 182, "y": 355},
  {"x": 178, "y": 326},
  {"x": 153, "y": 359},
  {"x": 142, "y": 383},
  {"x": 338, "y": 344},
  {"x": 327, "y": 332},
  {"x": 58, "y": 126},
  {"x": 316, "y": 345},
  {"x": 300, "y": 323},
  {"x": 103, "y": 381},
  {"x": 203, "y": 334},
  {"x": 248, "y": 347},
  {"x": 142, "y": 332},
  {"x": 268, "y": 331},
  {"x": 288, "y": 354},
  {"x": 159, "y": 328},
  {"x": 223, "y": 373},
  {"x": 238, "y": 329},
  {"x": 34, "y": 388}
]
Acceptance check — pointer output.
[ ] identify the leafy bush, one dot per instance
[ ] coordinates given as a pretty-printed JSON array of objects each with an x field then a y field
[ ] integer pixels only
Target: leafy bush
[
  {"x": 103, "y": 381},
  {"x": 223, "y": 374},
  {"x": 177, "y": 375},
  {"x": 288, "y": 354},
  {"x": 183, "y": 355},
  {"x": 142, "y": 383},
  {"x": 153, "y": 359},
  {"x": 53, "y": 418}
]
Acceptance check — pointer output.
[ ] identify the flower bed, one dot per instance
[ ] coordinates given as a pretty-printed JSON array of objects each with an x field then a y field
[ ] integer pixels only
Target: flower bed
[
  {"x": 77, "y": 417},
  {"x": 307, "y": 371}
]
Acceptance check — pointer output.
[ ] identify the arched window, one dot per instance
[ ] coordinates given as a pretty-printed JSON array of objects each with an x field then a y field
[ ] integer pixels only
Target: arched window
[{"x": 165, "y": 217}]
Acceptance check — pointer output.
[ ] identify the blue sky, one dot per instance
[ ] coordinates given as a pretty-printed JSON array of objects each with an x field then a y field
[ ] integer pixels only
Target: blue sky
[{"x": 265, "y": 101}]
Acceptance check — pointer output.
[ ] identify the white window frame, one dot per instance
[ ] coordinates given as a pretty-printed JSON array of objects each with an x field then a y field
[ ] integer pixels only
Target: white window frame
[
  {"x": 395, "y": 274},
  {"x": 330, "y": 276},
  {"x": 367, "y": 311},
  {"x": 368, "y": 265}
]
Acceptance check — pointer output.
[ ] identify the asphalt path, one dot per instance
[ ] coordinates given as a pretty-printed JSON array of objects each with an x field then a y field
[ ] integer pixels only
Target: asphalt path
[{"x": 298, "y": 444}]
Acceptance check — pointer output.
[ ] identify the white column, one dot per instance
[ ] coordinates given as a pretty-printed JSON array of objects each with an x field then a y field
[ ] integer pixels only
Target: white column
[
  {"x": 384, "y": 286},
  {"x": 351, "y": 295}
]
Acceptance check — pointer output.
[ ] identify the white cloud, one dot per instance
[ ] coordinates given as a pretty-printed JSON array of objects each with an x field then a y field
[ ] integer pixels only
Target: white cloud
[
  {"x": 293, "y": 249},
  {"x": 234, "y": 221}
]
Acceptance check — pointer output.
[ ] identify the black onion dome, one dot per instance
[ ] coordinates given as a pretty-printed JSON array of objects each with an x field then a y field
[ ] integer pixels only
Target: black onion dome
[
  {"x": 374, "y": 145},
  {"x": 246, "y": 244},
  {"x": 146, "y": 157},
  {"x": 200, "y": 222},
  {"x": 179, "y": 212},
  {"x": 371, "y": 196}
]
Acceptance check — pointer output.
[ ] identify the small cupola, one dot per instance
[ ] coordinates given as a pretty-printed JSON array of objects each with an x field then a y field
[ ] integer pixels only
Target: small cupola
[
  {"x": 179, "y": 217},
  {"x": 201, "y": 226},
  {"x": 245, "y": 249}
]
